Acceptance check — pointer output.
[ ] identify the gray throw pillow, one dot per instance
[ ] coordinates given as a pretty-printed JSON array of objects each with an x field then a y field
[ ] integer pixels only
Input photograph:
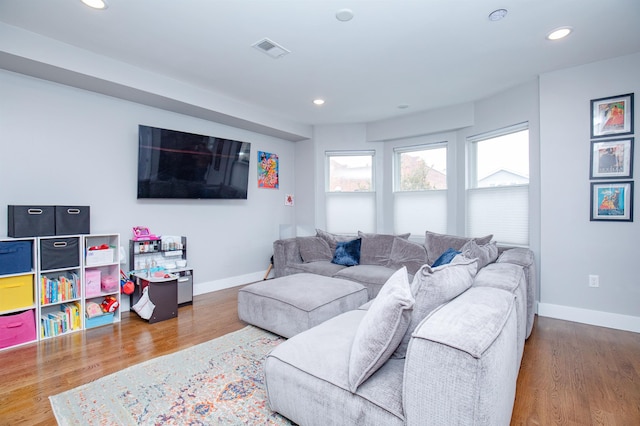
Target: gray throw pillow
[
  {"x": 381, "y": 329},
  {"x": 436, "y": 244},
  {"x": 376, "y": 248},
  {"x": 313, "y": 249},
  {"x": 432, "y": 287},
  {"x": 407, "y": 253},
  {"x": 332, "y": 239},
  {"x": 486, "y": 254}
]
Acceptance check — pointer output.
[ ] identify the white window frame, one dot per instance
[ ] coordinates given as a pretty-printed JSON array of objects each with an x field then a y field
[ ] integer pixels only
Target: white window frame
[
  {"x": 364, "y": 153},
  {"x": 350, "y": 211},
  {"x": 417, "y": 210},
  {"x": 406, "y": 149},
  {"x": 505, "y": 209}
]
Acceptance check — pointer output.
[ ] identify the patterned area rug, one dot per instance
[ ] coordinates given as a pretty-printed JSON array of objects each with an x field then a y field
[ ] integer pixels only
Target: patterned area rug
[{"x": 219, "y": 382}]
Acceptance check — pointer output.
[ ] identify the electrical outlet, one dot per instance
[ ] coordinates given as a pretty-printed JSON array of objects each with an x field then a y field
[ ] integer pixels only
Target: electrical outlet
[{"x": 594, "y": 281}]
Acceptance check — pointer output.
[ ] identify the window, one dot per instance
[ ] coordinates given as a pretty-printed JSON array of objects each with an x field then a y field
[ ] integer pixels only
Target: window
[
  {"x": 421, "y": 168},
  {"x": 498, "y": 193},
  {"x": 420, "y": 184},
  {"x": 350, "y": 191},
  {"x": 350, "y": 172}
]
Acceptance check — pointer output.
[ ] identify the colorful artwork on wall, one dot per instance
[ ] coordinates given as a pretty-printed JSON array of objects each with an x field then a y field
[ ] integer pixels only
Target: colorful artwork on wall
[
  {"x": 268, "y": 170},
  {"x": 612, "y": 116}
]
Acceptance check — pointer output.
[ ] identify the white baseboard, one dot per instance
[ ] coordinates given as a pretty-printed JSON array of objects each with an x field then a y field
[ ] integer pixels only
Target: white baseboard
[
  {"x": 587, "y": 316},
  {"x": 209, "y": 286}
]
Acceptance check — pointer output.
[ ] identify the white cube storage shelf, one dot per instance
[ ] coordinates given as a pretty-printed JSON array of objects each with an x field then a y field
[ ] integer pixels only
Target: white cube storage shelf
[{"x": 50, "y": 299}]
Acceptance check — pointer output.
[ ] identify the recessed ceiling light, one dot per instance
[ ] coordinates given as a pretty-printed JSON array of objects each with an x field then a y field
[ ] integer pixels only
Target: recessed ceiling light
[
  {"x": 96, "y": 4},
  {"x": 559, "y": 33},
  {"x": 318, "y": 101},
  {"x": 497, "y": 14},
  {"x": 344, "y": 15}
]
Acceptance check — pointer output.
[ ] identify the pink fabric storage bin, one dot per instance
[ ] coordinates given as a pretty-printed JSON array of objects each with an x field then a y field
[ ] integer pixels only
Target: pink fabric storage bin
[
  {"x": 17, "y": 328},
  {"x": 109, "y": 284},
  {"x": 92, "y": 283}
]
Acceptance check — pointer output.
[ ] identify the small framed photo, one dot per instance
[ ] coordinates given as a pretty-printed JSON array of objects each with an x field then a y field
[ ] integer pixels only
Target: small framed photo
[
  {"x": 611, "y": 159},
  {"x": 612, "y": 201},
  {"x": 612, "y": 116}
]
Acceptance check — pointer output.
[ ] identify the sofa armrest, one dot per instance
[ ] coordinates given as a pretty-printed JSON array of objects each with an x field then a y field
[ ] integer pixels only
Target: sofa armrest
[
  {"x": 524, "y": 257},
  {"x": 462, "y": 362},
  {"x": 285, "y": 252}
]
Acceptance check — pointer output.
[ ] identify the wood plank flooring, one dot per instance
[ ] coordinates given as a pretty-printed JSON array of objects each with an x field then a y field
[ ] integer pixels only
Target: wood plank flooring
[{"x": 571, "y": 374}]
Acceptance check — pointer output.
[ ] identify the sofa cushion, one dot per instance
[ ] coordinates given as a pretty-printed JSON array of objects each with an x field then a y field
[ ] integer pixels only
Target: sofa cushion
[
  {"x": 376, "y": 248},
  {"x": 333, "y": 239},
  {"x": 436, "y": 244},
  {"x": 486, "y": 253},
  {"x": 322, "y": 267},
  {"x": 371, "y": 276},
  {"x": 347, "y": 253},
  {"x": 407, "y": 253},
  {"x": 314, "y": 249},
  {"x": 431, "y": 287},
  {"x": 381, "y": 329},
  {"x": 313, "y": 367}
]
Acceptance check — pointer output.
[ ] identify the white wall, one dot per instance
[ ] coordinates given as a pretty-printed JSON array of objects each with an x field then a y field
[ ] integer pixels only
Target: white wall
[
  {"x": 65, "y": 146},
  {"x": 573, "y": 247}
]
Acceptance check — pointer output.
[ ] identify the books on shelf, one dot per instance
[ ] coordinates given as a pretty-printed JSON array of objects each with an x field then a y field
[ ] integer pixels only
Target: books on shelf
[
  {"x": 56, "y": 290},
  {"x": 68, "y": 318}
]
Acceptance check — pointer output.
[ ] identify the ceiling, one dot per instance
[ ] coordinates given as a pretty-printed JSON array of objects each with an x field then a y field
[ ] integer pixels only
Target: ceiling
[{"x": 423, "y": 54}]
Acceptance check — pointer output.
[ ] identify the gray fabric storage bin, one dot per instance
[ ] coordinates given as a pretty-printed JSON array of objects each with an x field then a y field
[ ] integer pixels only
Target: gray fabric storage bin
[
  {"x": 30, "y": 221},
  {"x": 72, "y": 220},
  {"x": 58, "y": 253}
]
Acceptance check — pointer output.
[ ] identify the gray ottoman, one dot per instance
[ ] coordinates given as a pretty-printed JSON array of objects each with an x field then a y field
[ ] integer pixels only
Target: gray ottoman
[{"x": 294, "y": 303}]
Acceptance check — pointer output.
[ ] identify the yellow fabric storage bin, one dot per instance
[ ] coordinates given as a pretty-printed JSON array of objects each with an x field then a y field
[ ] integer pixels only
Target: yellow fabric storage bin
[{"x": 16, "y": 292}]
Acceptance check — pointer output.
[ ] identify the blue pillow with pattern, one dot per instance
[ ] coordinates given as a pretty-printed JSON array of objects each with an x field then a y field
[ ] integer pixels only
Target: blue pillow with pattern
[{"x": 347, "y": 253}]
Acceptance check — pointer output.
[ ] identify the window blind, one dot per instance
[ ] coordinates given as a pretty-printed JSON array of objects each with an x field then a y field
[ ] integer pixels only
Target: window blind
[
  {"x": 502, "y": 211},
  {"x": 420, "y": 211},
  {"x": 350, "y": 212}
]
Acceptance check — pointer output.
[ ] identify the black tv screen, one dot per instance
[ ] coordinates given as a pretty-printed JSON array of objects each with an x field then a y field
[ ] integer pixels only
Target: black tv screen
[{"x": 174, "y": 164}]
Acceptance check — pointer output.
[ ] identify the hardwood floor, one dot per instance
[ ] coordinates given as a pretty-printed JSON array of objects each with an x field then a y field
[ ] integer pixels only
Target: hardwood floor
[
  {"x": 577, "y": 374},
  {"x": 571, "y": 374},
  {"x": 31, "y": 373}
]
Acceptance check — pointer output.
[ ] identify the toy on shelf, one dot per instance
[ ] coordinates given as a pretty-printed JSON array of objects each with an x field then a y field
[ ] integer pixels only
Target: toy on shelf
[
  {"x": 109, "y": 304},
  {"x": 142, "y": 233},
  {"x": 93, "y": 310}
]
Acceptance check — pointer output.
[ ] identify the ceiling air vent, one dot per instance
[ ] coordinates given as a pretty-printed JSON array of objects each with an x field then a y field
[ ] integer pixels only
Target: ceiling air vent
[{"x": 271, "y": 48}]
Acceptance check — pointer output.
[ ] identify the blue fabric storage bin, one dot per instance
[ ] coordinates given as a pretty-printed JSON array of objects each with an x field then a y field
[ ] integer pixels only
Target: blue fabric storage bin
[
  {"x": 15, "y": 257},
  {"x": 99, "y": 320}
]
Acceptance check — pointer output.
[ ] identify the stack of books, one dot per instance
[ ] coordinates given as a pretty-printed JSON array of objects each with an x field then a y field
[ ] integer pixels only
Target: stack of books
[{"x": 63, "y": 321}]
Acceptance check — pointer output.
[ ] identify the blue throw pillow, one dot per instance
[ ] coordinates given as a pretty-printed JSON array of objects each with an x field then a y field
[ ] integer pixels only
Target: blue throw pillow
[
  {"x": 347, "y": 253},
  {"x": 446, "y": 257}
]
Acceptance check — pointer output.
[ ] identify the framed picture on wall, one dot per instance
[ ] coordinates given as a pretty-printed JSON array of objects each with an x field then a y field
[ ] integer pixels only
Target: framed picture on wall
[
  {"x": 612, "y": 116},
  {"x": 612, "y": 201},
  {"x": 611, "y": 159},
  {"x": 268, "y": 175}
]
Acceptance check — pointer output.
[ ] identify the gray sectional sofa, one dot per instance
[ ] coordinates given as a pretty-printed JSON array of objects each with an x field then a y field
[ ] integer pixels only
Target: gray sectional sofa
[{"x": 447, "y": 351}]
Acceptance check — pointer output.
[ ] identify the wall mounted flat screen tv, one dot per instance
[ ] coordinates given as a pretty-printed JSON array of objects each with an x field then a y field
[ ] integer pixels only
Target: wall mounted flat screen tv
[{"x": 174, "y": 164}]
